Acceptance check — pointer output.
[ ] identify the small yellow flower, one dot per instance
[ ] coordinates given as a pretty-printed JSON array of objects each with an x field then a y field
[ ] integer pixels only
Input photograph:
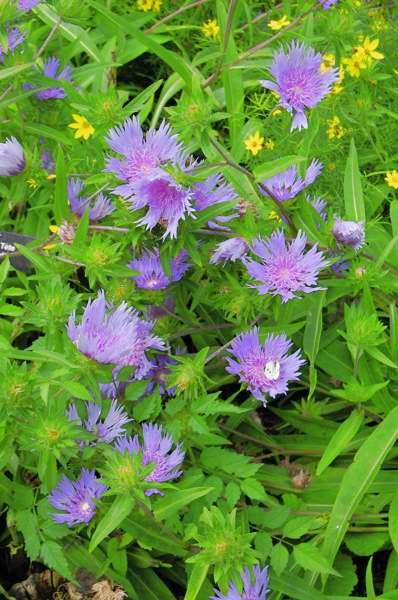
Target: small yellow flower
[
  {"x": 211, "y": 29},
  {"x": 254, "y": 143},
  {"x": 32, "y": 183},
  {"x": 279, "y": 24},
  {"x": 276, "y": 112},
  {"x": 269, "y": 144},
  {"x": 273, "y": 216},
  {"x": 392, "y": 179},
  {"x": 337, "y": 87},
  {"x": 329, "y": 60},
  {"x": 53, "y": 228},
  {"x": 355, "y": 64},
  {"x": 51, "y": 177},
  {"x": 82, "y": 126},
  {"x": 335, "y": 129},
  {"x": 147, "y": 5},
  {"x": 369, "y": 49}
]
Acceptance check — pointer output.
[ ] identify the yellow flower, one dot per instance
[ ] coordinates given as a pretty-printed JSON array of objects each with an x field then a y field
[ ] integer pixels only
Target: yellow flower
[
  {"x": 279, "y": 24},
  {"x": 211, "y": 29},
  {"x": 254, "y": 143},
  {"x": 82, "y": 126},
  {"x": 51, "y": 177},
  {"x": 355, "y": 64},
  {"x": 53, "y": 228},
  {"x": 147, "y": 5},
  {"x": 276, "y": 112},
  {"x": 392, "y": 179},
  {"x": 369, "y": 49},
  {"x": 269, "y": 144},
  {"x": 329, "y": 60},
  {"x": 32, "y": 183},
  {"x": 337, "y": 87},
  {"x": 273, "y": 216},
  {"x": 335, "y": 129}
]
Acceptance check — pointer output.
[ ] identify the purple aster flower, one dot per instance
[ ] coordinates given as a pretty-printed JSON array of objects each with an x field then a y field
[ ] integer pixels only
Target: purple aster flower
[
  {"x": 151, "y": 274},
  {"x": 156, "y": 449},
  {"x": 50, "y": 69},
  {"x": 76, "y": 498},
  {"x": 327, "y": 3},
  {"x": 285, "y": 269},
  {"x": 100, "y": 207},
  {"x": 12, "y": 158},
  {"x": 116, "y": 336},
  {"x": 319, "y": 205},
  {"x": 286, "y": 185},
  {"x": 299, "y": 81},
  {"x": 267, "y": 368},
  {"x": 145, "y": 168},
  {"x": 159, "y": 373},
  {"x": 115, "y": 389},
  {"x": 105, "y": 430},
  {"x": 47, "y": 161},
  {"x": 15, "y": 38},
  {"x": 154, "y": 312},
  {"x": 350, "y": 233},
  {"x": 255, "y": 587},
  {"x": 26, "y": 5},
  {"x": 232, "y": 249},
  {"x": 214, "y": 190}
]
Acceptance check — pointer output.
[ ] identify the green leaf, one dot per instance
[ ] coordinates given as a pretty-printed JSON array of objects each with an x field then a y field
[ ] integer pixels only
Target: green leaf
[
  {"x": 114, "y": 516},
  {"x": 365, "y": 544},
  {"x": 313, "y": 328},
  {"x": 253, "y": 489},
  {"x": 12, "y": 71},
  {"x": 292, "y": 586},
  {"x": 273, "y": 167},
  {"x": 61, "y": 209},
  {"x": 48, "y": 132},
  {"x": 4, "y": 268},
  {"x": 393, "y": 521},
  {"x": 340, "y": 440},
  {"x": 153, "y": 535},
  {"x": 195, "y": 581},
  {"x": 27, "y": 523},
  {"x": 311, "y": 558},
  {"x": 279, "y": 558},
  {"x": 297, "y": 527},
  {"x": 149, "y": 586},
  {"x": 357, "y": 480},
  {"x": 53, "y": 556},
  {"x": 174, "y": 500},
  {"x": 77, "y": 390},
  {"x": 353, "y": 197},
  {"x": 370, "y": 590}
]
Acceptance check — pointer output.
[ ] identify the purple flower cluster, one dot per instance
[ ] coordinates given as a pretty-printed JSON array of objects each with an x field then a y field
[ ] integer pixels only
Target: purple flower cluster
[
  {"x": 287, "y": 185},
  {"x": 100, "y": 207},
  {"x": 112, "y": 335},
  {"x": 51, "y": 69},
  {"x": 327, "y": 3},
  {"x": 233, "y": 249},
  {"x": 151, "y": 273},
  {"x": 350, "y": 233},
  {"x": 210, "y": 192},
  {"x": 255, "y": 586},
  {"x": 105, "y": 430},
  {"x": 299, "y": 81},
  {"x": 266, "y": 368},
  {"x": 12, "y": 158},
  {"x": 14, "y": 38},
  {"x": 76, "y": 499},
  {"x": 156, "y": 449},
  {"x": 26, "y": 5},
  {"x": 285, "y": 269}
]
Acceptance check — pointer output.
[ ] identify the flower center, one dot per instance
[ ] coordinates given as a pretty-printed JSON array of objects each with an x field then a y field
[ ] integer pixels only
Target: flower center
[
  {"x": 85, "y": 507},
  {"x": 272, "y": 370}
]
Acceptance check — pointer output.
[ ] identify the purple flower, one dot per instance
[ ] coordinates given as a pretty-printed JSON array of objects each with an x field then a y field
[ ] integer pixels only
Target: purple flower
[
  {"x": 151, "y": 274},
  {"x": 319, "y": 205},
  {"x": 112, "y": 335},
  {"x": 232, "y": 249},
  {"x": 252, "y": 590},
  {"x": 12, "y": 158},
  {"x": 286, "y": 185},
  {"x": 15, "y": 38},
  {"x": 214, "y": 190},
  {"x": 350, "y": 233},
  {"x": 299, "y": 81},
  {"x": 285, "y": 269},
  {"x": 266, "y": 369},
  {"x": 154, "y": 312},
  {"x": 145, "y": 169},
  {"x": 47, "y": 161},
  {"x": 26, "y": 5},
  {"x": 158, "y": 375},
  {"x": 156, "y": 449},
  {"x": 50, "y": 69},
  {"x": 76, "y": 498},
  {"x": 327, "y": 3},
  {"x": 105, "y": 430},
  {"x": 115, "y": 389},
  {"x": 100, "y": 207}
]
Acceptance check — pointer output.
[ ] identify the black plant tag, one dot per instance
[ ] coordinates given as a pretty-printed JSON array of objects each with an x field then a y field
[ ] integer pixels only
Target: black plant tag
[{"x": 7, "y": 246}]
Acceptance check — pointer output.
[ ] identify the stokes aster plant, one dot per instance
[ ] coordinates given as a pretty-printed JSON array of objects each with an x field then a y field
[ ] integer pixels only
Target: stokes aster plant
[{"x": 198, "y": 320}]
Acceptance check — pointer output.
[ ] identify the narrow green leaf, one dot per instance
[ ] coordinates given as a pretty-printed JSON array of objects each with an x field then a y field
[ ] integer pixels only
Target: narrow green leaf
[
  {"x": 195, "y": 581},
  {"x": 353, "y": 197},
  {"x": 393, "y": 521},
  {"x": 291, "y": 586},
  {"x": 313, "y": 328},
  {"x": 370, "y": 590},
  {"x": 153, "y": 535},
  {"x": 357, "y": 480},
  {"x": 12, "y": 71},
  {"x": 115, "y": 515},
  {"x": 273, "y": 167},
  {"x": 48, "y": 132},
  {"x": 340, "y": 440},
  {"x": 61, "y": 209},
  {"x": 149, "y": 585},
  {"x": 170, "y": 504},
  {"x": 394, "y": 217}
]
